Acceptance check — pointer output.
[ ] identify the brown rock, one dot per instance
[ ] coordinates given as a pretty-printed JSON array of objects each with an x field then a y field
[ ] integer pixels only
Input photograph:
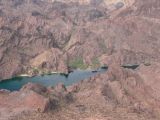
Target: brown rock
[
  {"x": 60, "y": 88},
  {"x": 36, "y": 102},
  {"x": 47, "y": 36},
  {"x": 34, "y": 87},
  {"x": 52, "y": 60}
]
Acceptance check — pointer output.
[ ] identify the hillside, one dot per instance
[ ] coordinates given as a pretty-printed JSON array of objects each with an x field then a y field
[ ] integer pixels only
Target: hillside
[
  {"x": 94, "y": 33},
  {"x": 44, "y": 36}
]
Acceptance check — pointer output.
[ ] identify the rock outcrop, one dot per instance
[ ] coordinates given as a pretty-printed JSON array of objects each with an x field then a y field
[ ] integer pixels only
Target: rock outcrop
[
  {"x": 41, "y": 36},
  {"x": 32, "y": 98},
  {"x": 124, "y": 31},
  {"x": 118, "y": 94}
]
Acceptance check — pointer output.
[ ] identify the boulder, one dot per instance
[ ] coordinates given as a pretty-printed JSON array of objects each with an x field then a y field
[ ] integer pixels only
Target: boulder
[
  {"x": 34, "y": 87},
  {"x": 35, "y": 101}
]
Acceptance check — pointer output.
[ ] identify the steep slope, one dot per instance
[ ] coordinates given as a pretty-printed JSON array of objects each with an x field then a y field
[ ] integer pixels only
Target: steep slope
[
  {"x": 93, "y": 32},
  {"x": 31, "y": 27},
  {"x": 117, "y": 94},
  {"x": 41, "y": 36}
]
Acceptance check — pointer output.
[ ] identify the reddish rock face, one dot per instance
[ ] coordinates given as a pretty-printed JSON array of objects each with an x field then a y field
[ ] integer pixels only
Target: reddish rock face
[
  {"x": 36, "y": 41},
  {"x": 34, "y": 87},
  {"x": 60, "y": 88},
  {"x": 33, "y": 98},
  {"x": 150, "y": 74},
  {"x": 36, "y": 102},
  {"x": 108, "y": 94},
  {"x": 42, "y": 36},
  {"x": 123, "y": 88},
  {"x": 30, "y": 98}
]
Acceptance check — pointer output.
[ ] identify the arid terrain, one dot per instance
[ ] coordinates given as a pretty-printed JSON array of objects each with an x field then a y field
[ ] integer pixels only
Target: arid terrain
[{"x": 44, "y": 36}]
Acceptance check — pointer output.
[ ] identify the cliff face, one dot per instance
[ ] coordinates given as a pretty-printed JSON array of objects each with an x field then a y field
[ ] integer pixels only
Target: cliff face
[
  {"x": 40, "y": 36},
  {"x": 32, "y": 28},
  {"x": 117, "y": 94},
  {"x": 93, "y": 32}
]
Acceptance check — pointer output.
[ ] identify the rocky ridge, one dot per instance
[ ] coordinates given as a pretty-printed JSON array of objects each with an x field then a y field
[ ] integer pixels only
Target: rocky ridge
[
  {"x": 115, "y": 95},
  {"x": 42, "y": 36},
  {"x": 76, "y": 35}
]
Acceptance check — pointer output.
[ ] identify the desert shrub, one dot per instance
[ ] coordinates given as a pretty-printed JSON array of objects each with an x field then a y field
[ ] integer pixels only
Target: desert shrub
[
  {"x": 77, "y": 63},
  {"x": 95, "y": 63}
]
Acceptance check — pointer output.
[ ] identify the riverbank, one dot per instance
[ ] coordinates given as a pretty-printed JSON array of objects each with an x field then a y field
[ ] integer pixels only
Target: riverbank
[
  {"x": 49, "y": 79},
  {"x": 114, "y": 94}
]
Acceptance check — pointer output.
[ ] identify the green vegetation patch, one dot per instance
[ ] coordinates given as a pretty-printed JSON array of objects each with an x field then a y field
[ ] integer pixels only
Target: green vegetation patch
[
  {"x": 95, "y": 63},
  {"x": 35, "y": 70},
  {"x": 78, "y": 63}
]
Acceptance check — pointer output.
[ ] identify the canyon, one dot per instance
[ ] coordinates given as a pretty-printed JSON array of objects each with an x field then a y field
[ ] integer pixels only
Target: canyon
[{"x": 44, "y": 36}]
